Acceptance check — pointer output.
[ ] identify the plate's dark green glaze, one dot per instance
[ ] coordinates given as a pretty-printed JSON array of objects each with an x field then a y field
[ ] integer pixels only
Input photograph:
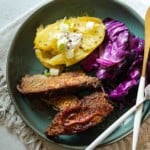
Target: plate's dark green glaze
[{"x": 22, "y": 60}]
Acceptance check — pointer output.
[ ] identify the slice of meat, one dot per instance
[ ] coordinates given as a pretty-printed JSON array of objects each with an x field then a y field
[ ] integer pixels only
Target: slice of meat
[
  {"x": 90, "y": 111},
  {"x": 68, "y": 81},
  {"x": 61, "y": 102}
]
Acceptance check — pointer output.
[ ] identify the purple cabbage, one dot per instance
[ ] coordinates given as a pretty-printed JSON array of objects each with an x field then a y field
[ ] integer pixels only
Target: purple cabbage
[
  {"x": 123, "y": 89},
  {"x": 115, "y": 48},
  {"x": 132, "y": 80},
  {"x": 118, "y": 62},
  {"x": 90, "y": 63}
]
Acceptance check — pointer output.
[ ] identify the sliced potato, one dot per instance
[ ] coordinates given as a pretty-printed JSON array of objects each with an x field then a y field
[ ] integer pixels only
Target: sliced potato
[{"x": 46, "y": 40}]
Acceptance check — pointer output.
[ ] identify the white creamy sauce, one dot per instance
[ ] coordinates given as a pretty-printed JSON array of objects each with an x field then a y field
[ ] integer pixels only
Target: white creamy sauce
[
  {"x": 54, "y": 71},
  {"x": 89, "y": 25},
  {"x": 63, "y": 27},
  {"x": 70, "y": 42}
]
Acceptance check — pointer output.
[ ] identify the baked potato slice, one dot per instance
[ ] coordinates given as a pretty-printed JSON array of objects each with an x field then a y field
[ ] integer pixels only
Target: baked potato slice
[{"x": 85, "y": 33}]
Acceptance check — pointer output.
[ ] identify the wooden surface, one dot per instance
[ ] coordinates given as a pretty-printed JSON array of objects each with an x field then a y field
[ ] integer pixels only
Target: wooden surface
[{"x": 126, "y": 143}]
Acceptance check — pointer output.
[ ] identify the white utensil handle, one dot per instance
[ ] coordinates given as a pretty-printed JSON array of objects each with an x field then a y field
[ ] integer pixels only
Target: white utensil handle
[
  {"x": 138, "y": 114},
  {"x": 116, "y": 124},
  {"x": 137, "y": 122},
  {"x": 140, "y": 92}
]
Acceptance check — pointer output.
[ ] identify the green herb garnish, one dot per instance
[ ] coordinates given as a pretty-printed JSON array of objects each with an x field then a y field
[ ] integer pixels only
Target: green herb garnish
[
  {"x": 47, "y": 73},
  {"x": 62, "y": 47}
]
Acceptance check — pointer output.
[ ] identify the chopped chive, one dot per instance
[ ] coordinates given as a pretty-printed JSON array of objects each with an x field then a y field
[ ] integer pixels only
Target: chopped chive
[
  {"x": 47, "y": 73},
  {"x": 61, "y": 47}
]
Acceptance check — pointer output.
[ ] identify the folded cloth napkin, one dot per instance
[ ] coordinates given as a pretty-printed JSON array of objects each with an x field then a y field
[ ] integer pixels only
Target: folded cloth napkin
[{"x": 8, "y": 114}]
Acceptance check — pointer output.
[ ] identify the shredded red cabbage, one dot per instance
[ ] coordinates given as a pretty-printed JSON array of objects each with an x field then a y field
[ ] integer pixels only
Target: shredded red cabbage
[{"x": 118, "y": 61}]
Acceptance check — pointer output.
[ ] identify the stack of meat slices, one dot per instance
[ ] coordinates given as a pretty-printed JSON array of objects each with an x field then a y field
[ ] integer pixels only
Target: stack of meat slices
[{"x": 76, "y": 114}]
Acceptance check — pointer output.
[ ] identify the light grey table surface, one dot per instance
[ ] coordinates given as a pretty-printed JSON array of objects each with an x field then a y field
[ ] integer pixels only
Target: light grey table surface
[
  {"x": 9, "y": 11},
  {"x": 12, "y": 9}
]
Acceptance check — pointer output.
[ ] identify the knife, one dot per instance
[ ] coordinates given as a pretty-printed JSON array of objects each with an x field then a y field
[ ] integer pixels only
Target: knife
[{"x": 140, "y": 93}]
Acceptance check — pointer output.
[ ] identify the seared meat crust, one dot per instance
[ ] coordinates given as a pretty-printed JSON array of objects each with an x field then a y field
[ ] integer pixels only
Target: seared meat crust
[
  {"x": 68, "y": 81},
  {"x": 61, "y": 102},
  {"x": 90, "y": 111}
]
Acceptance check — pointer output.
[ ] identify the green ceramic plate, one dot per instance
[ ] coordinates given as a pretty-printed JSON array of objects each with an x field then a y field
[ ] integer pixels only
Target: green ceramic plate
[{"x": 22, "y": 60}]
